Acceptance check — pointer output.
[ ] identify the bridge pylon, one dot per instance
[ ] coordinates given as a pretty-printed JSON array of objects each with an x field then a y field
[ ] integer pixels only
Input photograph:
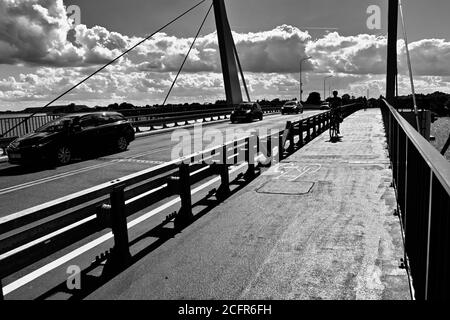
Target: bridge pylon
[
  {"x": 227, "y": 54},
  {"x": 391, "y": 72}
]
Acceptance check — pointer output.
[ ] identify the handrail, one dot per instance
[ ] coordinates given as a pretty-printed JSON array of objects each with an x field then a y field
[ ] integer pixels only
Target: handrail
[
  {"x": 421, "y": 177},
  {"x": 430, "y": 154}
]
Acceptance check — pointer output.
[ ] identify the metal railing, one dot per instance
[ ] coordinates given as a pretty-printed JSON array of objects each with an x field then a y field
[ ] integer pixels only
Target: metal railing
[
  {"x": 175, "y": 118},
  {"x": 27, "y": 126},
  {"x": 33, "y": 234},
  {"x": 422, "y": 182},
  {"x": 138, "y": 121}
]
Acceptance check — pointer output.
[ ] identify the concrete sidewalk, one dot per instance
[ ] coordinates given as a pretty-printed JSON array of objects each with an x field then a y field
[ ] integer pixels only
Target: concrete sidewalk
[{"x": 318, "y": 226}]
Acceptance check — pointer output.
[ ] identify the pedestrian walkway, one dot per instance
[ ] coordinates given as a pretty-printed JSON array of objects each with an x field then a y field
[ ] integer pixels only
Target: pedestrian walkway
[{"x": 320, "y": 225}]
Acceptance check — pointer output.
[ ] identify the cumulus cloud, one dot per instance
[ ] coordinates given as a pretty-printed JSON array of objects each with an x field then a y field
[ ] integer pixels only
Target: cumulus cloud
[
  {"x": 38, "y": 33},
  {"x": 429, "y": 57},
  {"x": 35, "y": 32},
  {"x": 359, "y": 54}
]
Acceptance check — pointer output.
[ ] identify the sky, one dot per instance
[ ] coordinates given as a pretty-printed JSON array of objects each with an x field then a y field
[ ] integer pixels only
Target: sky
[{"x": 42, "y": 53}]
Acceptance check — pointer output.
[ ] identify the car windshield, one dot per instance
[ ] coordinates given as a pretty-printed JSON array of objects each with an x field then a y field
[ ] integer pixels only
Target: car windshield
[
  {"x": 290, "y": 103},
  {"x": 57, "y": 125},
  {"x": 244, "y": 107}
]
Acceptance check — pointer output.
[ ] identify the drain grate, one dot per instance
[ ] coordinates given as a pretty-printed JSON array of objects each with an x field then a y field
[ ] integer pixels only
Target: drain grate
[{"x": 286, "y": 187}]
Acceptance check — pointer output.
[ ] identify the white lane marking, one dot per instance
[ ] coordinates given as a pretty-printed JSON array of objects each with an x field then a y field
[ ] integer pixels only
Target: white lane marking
[
  {"x": 51, "y": 178},
  {"x": 46, "y": 237},
  {"x": 77, "y": 252},
  {"x": 292, "y": 171},
  {"x": 74, "y": 172}
]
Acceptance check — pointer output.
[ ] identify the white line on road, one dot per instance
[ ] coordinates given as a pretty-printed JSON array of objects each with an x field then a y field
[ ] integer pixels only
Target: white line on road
[{"x": 73, "y": 172}]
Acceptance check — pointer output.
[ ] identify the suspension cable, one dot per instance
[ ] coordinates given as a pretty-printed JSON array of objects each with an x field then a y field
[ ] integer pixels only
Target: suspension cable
[
  {"x": 103, "y": 67},
  {"x": 409, "y": 65},
  {"x": 186, "y": 56},
  {"x": 241, "y": 71}
]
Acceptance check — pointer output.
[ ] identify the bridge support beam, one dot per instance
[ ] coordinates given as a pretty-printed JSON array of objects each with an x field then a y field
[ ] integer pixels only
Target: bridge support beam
[
  {"x": 227, "y": 54},
  {"x": 391, "y": 72}
]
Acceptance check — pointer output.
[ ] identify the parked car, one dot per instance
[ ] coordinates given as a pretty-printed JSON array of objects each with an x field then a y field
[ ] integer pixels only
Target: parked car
[
  {"x": 246, "y": 111},
  {"x": 292, "y": 107},
  {"x": 325, "y": 106},
  {"x": 78, "y": 134}
]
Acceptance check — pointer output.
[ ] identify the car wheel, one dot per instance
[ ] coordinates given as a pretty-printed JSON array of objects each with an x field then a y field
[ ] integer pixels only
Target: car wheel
[
  {"x": 122, "y": 144},
  {"x": 63, "y": 155}
]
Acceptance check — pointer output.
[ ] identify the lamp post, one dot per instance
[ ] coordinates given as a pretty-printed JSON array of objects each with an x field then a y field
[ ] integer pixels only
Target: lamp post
[
  {"x": 324, "y": 86},
  {"x": 301, "y": 84}
]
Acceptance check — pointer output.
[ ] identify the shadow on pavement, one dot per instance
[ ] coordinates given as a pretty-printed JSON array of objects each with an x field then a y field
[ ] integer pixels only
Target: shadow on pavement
[
  {"x": 162, "y": 232},
  {"x": 335, "y": 139}
]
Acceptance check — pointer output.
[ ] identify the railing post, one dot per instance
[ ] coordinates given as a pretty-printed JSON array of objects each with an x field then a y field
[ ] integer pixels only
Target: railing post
[
  {"x": 314, "y": 120},
  {"x": 281, "y": 143},
  {"x": 184, "y": 185},
  {"x": 26, "y": 126},
  {"x": 269, "y": 148},
  {"x": 320, "y": 123},
  {"x": 308, "y": 130},
  {"x": 300, "y": 134},
  {"x": 406, "y": 187},
  {"x": 250, "y": 155},
  {"x": 224, "y": 189},
  {"x": 121, "y": 251},
  {"x": 427, "y": 265}
]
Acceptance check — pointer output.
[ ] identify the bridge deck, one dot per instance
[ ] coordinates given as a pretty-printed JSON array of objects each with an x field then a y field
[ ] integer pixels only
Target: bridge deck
[{"x": 321, "y": 226}]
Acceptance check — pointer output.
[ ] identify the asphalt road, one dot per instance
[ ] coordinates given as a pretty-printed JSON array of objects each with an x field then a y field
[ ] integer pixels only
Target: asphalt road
[{"x": 22, "y": 188}]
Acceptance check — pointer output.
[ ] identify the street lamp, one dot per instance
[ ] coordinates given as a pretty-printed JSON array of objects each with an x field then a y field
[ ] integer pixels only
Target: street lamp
[
  {"x": 324, "y": 86},
  {"x": 301, "y": 84}
]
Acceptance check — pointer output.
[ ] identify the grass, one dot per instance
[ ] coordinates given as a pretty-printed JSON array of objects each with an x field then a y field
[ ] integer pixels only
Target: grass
[{"x": 441, "y": 129}]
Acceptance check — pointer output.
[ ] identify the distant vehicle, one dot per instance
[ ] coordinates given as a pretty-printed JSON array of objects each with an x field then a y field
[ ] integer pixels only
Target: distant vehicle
[
  {"x": 246, "y": 111},
  {"x": 77, "y": 134},
  {"x": 325, "y": 106},
  {"x": 292, "y": 107}
]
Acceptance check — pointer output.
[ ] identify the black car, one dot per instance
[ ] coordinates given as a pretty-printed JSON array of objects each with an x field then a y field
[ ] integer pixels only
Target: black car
[
  {"x": 246, "y": 111},
  {"x": 79, "y": 134},
  {"x": 292, "y": 107}
]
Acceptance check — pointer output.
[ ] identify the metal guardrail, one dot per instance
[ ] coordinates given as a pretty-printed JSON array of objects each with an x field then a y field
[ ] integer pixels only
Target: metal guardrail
[
  {"x": 33, "y": 234},
  {"x": 150, "y": 121},
  {"x": 183, "y": 117},
  {"x": 422, "y": 182},
  {"x": 29, "y": 125}
]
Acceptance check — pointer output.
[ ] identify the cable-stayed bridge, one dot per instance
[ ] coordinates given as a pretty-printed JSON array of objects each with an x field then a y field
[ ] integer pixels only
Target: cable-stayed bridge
[{"x": 278, "y": 210}]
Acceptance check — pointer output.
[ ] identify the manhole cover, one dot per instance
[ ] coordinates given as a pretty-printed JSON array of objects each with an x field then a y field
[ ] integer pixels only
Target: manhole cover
[{"x": 286, "y": 187}]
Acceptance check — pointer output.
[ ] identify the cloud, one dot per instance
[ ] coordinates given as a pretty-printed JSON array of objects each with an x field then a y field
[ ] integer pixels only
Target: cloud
[
  {"x": 35, "y": 32},
  {"x": 429, "y": 57},
  {"x": 277, "y": 50},
  {"x": 359, "y": 54},
  {"x": 38, "y": 33}
]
